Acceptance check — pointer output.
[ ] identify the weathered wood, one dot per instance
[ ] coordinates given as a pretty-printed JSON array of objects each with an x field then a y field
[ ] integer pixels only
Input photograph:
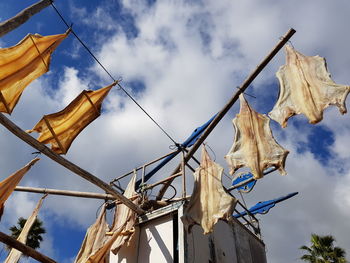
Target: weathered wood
[
  {"x": 26, "y": 250},
  {"x": 13, "y": 128},
  {"x": 229, "y": 104},
  {"x": 22, "y": 17},
  {"x": 64, "y": 192}
]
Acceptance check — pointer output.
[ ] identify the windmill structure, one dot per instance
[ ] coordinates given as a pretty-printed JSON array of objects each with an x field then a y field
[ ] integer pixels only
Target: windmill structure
[{"x": 159, "y": 234}]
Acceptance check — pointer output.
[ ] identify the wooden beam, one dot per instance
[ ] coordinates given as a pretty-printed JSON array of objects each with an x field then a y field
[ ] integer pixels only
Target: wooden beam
[
  {"x": 22, "y": 17},
  {"x": 13, "y": 128},
  {"x": 228, "y": 106},
  {"x": 26, "y": 250},
  {"x": 64, "y": 192}
]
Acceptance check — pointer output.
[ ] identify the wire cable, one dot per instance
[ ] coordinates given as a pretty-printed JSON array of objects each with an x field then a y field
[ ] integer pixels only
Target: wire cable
[
  {"x": 110, "y": 75},
  {"x": 127, "y": 93}
]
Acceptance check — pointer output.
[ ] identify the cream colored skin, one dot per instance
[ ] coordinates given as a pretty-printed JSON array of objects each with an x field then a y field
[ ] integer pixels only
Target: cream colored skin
[
  {"x": 254, "y": 145},
  {"x": 306, "y": 88},
  {"x": 209, "y": 201}
]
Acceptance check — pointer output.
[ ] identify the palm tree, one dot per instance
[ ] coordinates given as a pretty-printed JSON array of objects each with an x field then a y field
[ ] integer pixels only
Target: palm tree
[
  {"x": 35, "y": 233},
  {"x": 322, "y": 250}
]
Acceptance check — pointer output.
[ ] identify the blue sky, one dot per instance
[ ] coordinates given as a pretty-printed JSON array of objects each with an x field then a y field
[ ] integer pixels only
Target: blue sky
[{"x": 183, "y": 58}]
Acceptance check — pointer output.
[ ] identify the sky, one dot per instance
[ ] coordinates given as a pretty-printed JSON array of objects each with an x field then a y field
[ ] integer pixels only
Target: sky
[{"x": 182, "y": 61}]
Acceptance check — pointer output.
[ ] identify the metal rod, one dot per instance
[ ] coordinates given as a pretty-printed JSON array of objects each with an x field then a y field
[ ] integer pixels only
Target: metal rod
[
  {"x": 228, "y": 106},
  {"x": 163, "y": 181},
  {"x": 246, "y": 209},
  {"x": 13, "y": 128},
  {"x": 183, "y": 175},
  {"x": 64, "y": 192},
  {"x": 256, "y": 230},
  {"x": 145, "y": 165},
  {"x": 191, "y": 168},
  {"x": 143, "y": 174}
]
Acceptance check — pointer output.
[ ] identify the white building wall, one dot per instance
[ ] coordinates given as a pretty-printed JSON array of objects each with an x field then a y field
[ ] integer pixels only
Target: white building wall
[{"x": 161, "y": 238}]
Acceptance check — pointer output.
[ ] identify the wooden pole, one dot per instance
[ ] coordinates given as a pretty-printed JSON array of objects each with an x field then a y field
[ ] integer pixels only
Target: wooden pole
[
  {"x": 22, "y": 17},
  {"x": 13, "y": 128},
  {"x": 229, "y": 104},
  {"x": 64, "y": 192},
  {"x": 26, "y": 250}
]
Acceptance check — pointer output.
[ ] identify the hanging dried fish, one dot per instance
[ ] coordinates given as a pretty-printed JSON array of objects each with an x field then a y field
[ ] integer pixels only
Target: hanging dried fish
[
  {"x": 61, "y": 128},
  {"x": 125, "y": 218},
  {"x": 254, "y": 145},
  {"x": 122, "y": 230},
  {"x": 14, "y": 254},
  {"x": 23, "y": 63},
  {"x": 209, "y": 201},
  {"x": 8, "y": 185},
  {"x": 94, "y": 239},
  {"x": 306, "y": 88}
]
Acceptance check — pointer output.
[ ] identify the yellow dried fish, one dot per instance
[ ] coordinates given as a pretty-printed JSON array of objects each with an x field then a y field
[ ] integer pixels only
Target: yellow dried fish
[
  {"x": 23, "y": 63},
  {"x": 61, "y": 128},
  {"x": 8, "y": 185}
]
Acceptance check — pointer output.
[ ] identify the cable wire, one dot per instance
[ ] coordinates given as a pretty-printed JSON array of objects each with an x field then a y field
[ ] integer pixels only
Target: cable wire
[{"x": 110, "y": 75}]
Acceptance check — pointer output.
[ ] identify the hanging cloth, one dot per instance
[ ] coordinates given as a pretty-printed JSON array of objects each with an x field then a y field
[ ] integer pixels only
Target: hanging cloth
[
  {"x": 209, "y": 201},
  {"x": 124, "y": 221},
  {"x": 61, "y": 128},
  {"x": 125, "y": 218},
  {"x": 23, "y": 63},
  {"x": 254, "y": 145},
  {"x": 306, "y": 88},
  {"x": 94, "y": 239},
  {"x": 15, "y": 255},
  {"x": 8, "y": 185}
]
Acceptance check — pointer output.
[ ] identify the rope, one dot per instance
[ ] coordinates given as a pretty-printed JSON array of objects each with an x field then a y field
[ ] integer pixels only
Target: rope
[
  {"x": 109, "y": 74},
  {"x": 207, "y": 145}
]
